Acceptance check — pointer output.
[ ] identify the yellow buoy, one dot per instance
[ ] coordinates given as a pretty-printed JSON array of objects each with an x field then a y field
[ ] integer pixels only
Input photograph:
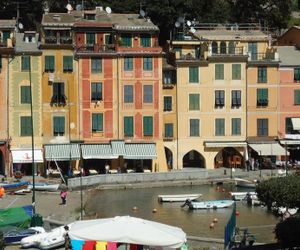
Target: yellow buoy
[
  {"x": 135, "y": 208},
  {"x": 215, "y": 220},
  {"x": 154, "y": 210},
  {"x": 212, "y": 225}
]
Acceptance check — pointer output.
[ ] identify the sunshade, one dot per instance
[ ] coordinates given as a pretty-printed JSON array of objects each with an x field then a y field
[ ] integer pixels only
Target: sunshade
[{"x": 126, "y": 229}]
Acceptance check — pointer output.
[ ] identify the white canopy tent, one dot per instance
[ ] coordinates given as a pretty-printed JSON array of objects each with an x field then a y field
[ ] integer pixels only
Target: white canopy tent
[{"x": 130, "y": 230}]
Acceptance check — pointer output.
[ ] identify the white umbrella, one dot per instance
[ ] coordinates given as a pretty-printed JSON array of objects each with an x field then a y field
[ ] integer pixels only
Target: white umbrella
[{"x": 126, "y": 229}]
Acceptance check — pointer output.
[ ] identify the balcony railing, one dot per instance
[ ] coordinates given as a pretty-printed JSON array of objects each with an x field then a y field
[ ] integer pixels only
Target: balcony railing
[
  {"x": 51, "y": 39},
  {"x": 96, "y": 48},
  {"x": 273, "y": 56},
  {"x": 58, "y": 100},
  {"x": 228, "y": 51},
  {"x": 56, "y": 40}
]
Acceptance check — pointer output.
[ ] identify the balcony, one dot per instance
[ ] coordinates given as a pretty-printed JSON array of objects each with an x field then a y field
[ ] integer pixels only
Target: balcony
[
  {"x": 58, "y": 100},
  {"x": 262, "y": 103},
  {"x": 66, "y": 40},
  {"x": 227, "y": 52},
  {"x": 96, "y": 48},
  {"x": 268, "y": 57},
  {"x": 51, "y": 40}
]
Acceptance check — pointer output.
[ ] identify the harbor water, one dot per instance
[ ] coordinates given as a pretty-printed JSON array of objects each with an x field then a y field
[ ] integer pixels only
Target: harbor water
[{"x": 143, "y": 203}]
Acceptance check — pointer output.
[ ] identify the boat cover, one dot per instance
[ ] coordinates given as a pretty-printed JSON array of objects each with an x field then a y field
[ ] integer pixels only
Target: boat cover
[{"x": 16, "y": 217}]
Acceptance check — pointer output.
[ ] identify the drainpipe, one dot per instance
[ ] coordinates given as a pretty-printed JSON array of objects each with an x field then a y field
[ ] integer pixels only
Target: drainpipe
[
  {"x": 177, "y": 124},
  {"x": 118, "y": 98}
]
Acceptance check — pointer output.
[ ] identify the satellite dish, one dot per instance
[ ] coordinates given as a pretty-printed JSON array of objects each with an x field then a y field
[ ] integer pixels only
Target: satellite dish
[
  {"x": 180, "y": 19},
  {"x": 192, "y": 30},
  {"x": 188, "y": 23},
  {"x": 69, "y": 7},
  {"x": 78, "y": 7},
  {"x": 108, "y": 10},
  {"x": 20, "y": 25},
  {"x": 142, "y": 13},
  {"x": 177, "y": 24}
]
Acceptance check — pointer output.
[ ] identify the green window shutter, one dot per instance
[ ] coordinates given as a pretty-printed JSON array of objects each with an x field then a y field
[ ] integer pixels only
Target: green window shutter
[
  {"x": 6, "y": 35},
  {"x": 145, "y": 40},
  {"x": 25, "y": 94},
  {"x": 193, "y": 74},
  {"x": 167, "y": 103},
  {"x": 194, "y": 127},
  {"x": 49, "y": 63},
  {"x": 96, "y": 65},
  {"x": 262, "y": 127},
  {"x": 236, "y": 126},
  {"x": 297, "y": 97},
  {"x": 169, "y": 130},
  {"x": 58, "y": 125},
  {"x": 97, "y": 122},
  {"x": 147, "y": 63},
  {"x": 90, "y": 38},
  {"x": 148, "y": 94},
  {"x": 219, "y": 72},
  {"x": 128, "y": 63},
  {"x": 288, "y": 126},
  {"x": 262, "y": 97},
  {"x": 236, "y": 71},
  {"x": 220, "y": 126},
  {"x": 25, "y": 125},
  {"x": 296, "y": 74},
  {"x": 25, "y": 63},
  {"x": 126, "y": 40},
  {"x": 68, "y": 63},
  {"x": 262, "y": 74},
  {"x": 148, "y": 125},
  {"x": 0, "y": 62},
  {"x": 128, "y": 126},
  {"x": 128, "y": 94},
  {"x": 108, "y": 39},
  {"x": 194, "y": 102}
]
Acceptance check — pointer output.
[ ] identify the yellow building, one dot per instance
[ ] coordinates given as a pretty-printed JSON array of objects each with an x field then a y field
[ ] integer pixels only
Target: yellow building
[{"x": 212, "y": 94}]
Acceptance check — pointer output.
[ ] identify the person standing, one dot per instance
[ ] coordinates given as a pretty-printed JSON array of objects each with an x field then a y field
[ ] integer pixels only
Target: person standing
[{"x": 63, "y": 196}]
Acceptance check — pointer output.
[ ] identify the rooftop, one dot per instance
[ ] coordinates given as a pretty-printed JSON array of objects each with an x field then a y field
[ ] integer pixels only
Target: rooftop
[
  {"x": 7, "y": 24},
  {"x": 289, "y": 56}
]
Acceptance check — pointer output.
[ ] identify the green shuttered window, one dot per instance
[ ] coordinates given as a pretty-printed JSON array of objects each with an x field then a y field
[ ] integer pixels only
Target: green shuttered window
[
  {"x": 220, "y": 126},
  {"x": 194, "y": 127},
  {"x": 148, "y": 125},
  {"x": 25, "y": 63},
  {"x": 128, "y": 63},
  {"x": 147, "y": 64},
  {"x": 126, "y": 40},
  {"x": 236, "y": 71},
  {"x": 58, "y": 125},
  {"x": 97, "y": 122},
  {"x": 49, "y": 63},
  {"x": 90, "y": 38},
  {"x": 25, "y": 122},
  {"x": 194, "y": 101},
  {"x": 262, "y": 74},
  {"x": 96, "y": 65},
  {"x": 148, "y": 94},
  {"x": 167, "y": 103},
  {"x": 96, "y": 88},
  {"x": 25, "y": 94},
  {"x": 297, "y": 74},
  {"x": 193, "y": 74},
  {"x": 128, "y": 126},
  {"x": 262, "y": 97},
  {"x": 236, "y": 126},
  {"x": 68, "y": 63},
  {"x": 169, "y": 130},
  {"x": 219, "y": 72},
  {"x": 145, "y": 40},
  {"x": 128, "y": 94},
  {"x": 297, "y": 97},
  {"x": 262, "y": 127}
]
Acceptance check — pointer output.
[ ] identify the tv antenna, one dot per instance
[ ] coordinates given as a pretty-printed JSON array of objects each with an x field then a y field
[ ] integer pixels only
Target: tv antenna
[{"x": 108, "y": 10}]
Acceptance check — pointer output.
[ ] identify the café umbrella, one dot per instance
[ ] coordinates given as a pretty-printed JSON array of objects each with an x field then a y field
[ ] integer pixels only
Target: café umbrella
[{"x": 130, "y": 230}]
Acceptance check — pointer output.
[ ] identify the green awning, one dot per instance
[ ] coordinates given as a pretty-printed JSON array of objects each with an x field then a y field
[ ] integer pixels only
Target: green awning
[
  {"x": 141, "y": 151},
  {"x": 118, "y": 148},
  {"x": 97, "y": 151},
  {"x": 62, "y": 152}
]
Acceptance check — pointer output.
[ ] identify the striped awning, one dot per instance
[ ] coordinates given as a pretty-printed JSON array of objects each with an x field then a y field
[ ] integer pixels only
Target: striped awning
[
  {"x": 118, "y": 148},
  {"x": 97, "y": 151},
  {"x": 141, "y": 151},
  {"x": 62, "y": 152}
]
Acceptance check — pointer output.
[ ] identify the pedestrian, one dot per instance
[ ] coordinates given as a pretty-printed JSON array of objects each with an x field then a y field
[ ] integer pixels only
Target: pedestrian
[{"x": 63, "y": 196}]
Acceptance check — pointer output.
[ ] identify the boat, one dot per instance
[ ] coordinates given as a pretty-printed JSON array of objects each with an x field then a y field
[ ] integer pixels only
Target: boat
[
  {"x": 177, "y": 197},
  {"x": 239, "y": 196},
  {"x": 245, "y": 183},
  {"x": 208, "y": 204},
  {"x": 15, "y": 236},
  {"x": 252, "y": 199},
  {"x": 41, "y": 186},
  {"x": 46, "y": 240},
  {"x": 12, "y": 187},
  {"x": 15, "y": 217}
]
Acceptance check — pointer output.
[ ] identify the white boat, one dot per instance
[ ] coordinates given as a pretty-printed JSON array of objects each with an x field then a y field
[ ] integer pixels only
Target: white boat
[
  {"x": 177, "y": 197},
  {"x": 239, "y": 196},
  {"x": 47, "y": 240},
  {"x": 44, "y": 187},
  {"x": 252, "y": 199},
  {"x": 245, "y": 183},
  {"x": 208, "y": 204}
]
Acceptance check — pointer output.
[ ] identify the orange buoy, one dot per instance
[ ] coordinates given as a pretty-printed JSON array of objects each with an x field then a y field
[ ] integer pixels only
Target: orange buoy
[
  {"x": 215, "y": 220},
  {"x": 237, "y": 213},
  {"x": 2, "y": 192},
  {"x": 212, "y": 225}
]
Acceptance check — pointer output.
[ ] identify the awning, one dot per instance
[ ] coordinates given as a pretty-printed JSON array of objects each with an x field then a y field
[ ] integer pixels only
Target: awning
[
  {"x": 25, "y": 155},
  {"x": 97, "y": 151},
  {"x": 62, "y": 152},
  {"x": 118, "y": 148},
  {"x": 224, "y": 144},
  {"x": 268, "y": 149},
  {"x": 141, "y": 151},
  {"x": 296, "y": 123},
  {"x": 290, "y": 142}
]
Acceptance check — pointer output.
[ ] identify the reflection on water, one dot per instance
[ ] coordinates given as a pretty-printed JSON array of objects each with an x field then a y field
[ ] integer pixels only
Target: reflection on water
[{"x": 110, "y": 203}]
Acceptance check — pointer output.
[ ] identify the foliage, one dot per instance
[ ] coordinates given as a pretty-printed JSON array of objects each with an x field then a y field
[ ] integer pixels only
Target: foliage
[
  {"x": 283, "y": 191},
  {"x": 287, "y": 232}
]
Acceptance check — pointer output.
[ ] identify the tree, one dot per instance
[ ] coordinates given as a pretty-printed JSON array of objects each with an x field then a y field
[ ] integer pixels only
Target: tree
[
  {"x": 287, "y": 232},
  {"x": 284, "y": 192}
]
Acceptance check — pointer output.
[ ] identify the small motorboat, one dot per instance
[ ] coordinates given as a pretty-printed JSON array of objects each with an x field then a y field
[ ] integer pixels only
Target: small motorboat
[
  {"x": 43, "y": 186},
  {"x": 178, "y": 197},
  {"x": 46, "y": 240},
  {"x": 208, "y": 204},
  {"x": 245, "y": 183},
  {"x": 15, "y": 236},
  {"x": 239, "y": 196},
  {"x": 252, "y": 199}
]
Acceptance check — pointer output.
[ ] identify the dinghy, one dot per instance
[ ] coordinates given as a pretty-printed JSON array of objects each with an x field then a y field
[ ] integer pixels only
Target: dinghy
[
  {"x": 245, "y": 183},
  {"x": 239, "y": 196},
  {"x": 178, "y": 197},
  {"x": 15, "y": 236},
  {"x": 208, "y": 204}
]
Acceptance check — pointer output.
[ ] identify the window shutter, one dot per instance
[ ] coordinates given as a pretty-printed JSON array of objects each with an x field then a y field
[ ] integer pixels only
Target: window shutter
[
  {"x": 128, "y": 126},
  {"x": 297, "y": 97},
  {"x": 148, "y": 126}
]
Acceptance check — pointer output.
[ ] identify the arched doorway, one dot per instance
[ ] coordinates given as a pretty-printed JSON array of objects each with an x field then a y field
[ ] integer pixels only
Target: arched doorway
[
  {"x": 193, "y": 159},
  {"x": 229, "y": 158},
  {"x": 169, "y": 158}
]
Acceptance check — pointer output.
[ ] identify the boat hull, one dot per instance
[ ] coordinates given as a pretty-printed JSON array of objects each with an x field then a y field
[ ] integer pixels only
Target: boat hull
[
  {"x": 239, "y": 196},
  {"x": 178, "y": 197},
  {"x": 15, "y": 186},
  {"x": 209, "y": 204}
]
